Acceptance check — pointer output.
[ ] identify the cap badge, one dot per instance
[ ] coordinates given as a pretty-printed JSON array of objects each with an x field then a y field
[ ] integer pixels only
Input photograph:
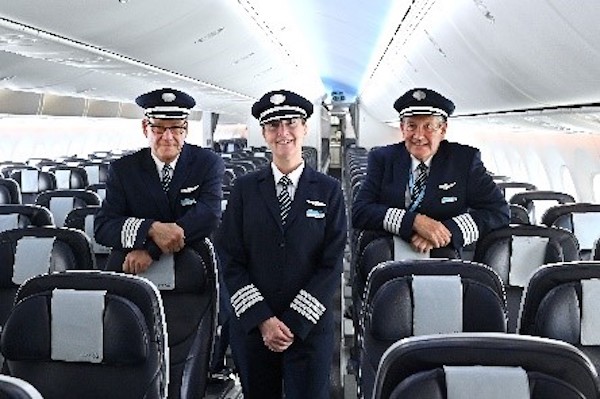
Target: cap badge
[
  {"x": 419, "y": 95},
  {"x": 277, "y": 99},
  {"x": 168, "y": 97}
]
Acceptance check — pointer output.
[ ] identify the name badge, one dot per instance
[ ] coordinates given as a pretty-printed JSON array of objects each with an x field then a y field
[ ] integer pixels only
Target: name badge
[
  {"x": 188, "y": 201},
  {"x": 446, "y": 200},
  {"x": 312, "y": 213}
]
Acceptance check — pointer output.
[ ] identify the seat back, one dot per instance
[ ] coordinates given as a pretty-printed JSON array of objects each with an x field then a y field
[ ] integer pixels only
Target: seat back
[
  {"x": 373, "y": 248},
  {"x": 32, "y": 182},
  {"x": 516, "y": 251},
  {"x": 190, "y": 296},
  {"x": 538, "y": 201},
  {"x": 88, "y": 335},
  {"x": 83, "y": 219},
  {"x": 518, "y": 214},
  {"x": 62, "y": 201},
  {"x": 427, "y": 296},
  {"x": 510, "y": 188},
  {"x": 508, "y": 366},
  {"x": 561, "y": 302},
  {"x": 30, "y": 251},
  {"x": 582, "y": 219},
  {"x": 24, "y": 215},
  {"x": 70, "y": 177},
  {"x": 16, "y": 388},
  {"x": 10, "y": 192}
]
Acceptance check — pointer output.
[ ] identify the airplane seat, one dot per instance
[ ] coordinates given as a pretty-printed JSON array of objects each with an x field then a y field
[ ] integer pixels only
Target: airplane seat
[
  {"x": 510, "y": 188},
  {"x": 97, "y": 172},
  {"x": 188, "y": 287},
  {"x": 376, "y": 247},
  {"x": 10, "y": 192},
  {"x": 88, "y": 335},
  {"x": 18, "y": 216},
  {"x": 27, "y": 252},
  {"x": 514, "y": 252},
  {"x": 582, "y": 219},
  {"x": 98, "y": 188},
  {"x": 422, "y": 297},
  {"x": 561, "y": 302},
  {"x": 33, "y": 182},
  {"x": 16, "y": 388},
  {"x": 83, "y": 219},
  {"x": 11, "y": 167},
  {"x": 490, "y": 365},
  {"x": 538, "y": 201},
  {"x": 62, "y": 201},
  {"x": 518, "y": 214},
  {"x": 596, "y": 254},
  {"x": 70, "y": 177}
]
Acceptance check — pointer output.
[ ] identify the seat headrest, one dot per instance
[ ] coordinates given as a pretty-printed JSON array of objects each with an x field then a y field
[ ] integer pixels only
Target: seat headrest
[{"x": 27, "y": 333}]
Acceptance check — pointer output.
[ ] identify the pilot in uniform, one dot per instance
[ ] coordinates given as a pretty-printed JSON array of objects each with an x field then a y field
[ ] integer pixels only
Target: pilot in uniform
[
  {"x": 162, "y": 198},
  {"x": 283, "y": 263},
  {"x": 431, "y": 192}
]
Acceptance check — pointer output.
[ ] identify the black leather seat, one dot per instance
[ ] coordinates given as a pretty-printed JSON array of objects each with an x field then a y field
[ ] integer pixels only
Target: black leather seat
[
  {"x": 88, "y": 335},
  {"x": 32, "y": 182},
  {"x": 83, "y": 219},
  {"x": 16, "y": 388},
  {"x": 70, "y": 177},
  {"x": 62, "y": 201},
  {"x": 518, "y": 214},
  {"x": 30, "y": 251},
  {"x": 24, "y": 215},
  {"x": 191, "y": 312},
  {"x": 426, "y": 367},
  {"x": 538, "y": 201},
  {"x": 427, "y": 296},
  {"x": 514, "y": 252},
  {"x": 560, "y": 303},
  {"x": 581, "y": 219},
  {"x": 10, "y": 192}
]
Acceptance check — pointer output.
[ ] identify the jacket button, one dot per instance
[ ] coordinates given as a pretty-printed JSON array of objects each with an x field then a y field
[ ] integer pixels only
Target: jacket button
[{"x": 282, "y": 245}]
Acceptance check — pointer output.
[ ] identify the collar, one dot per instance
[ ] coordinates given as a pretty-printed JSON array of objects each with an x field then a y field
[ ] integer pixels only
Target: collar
[
  {"x": 159, "y": 164},
  {"x": 415, "y": 162},
  {"x": 293, "y": 175}
]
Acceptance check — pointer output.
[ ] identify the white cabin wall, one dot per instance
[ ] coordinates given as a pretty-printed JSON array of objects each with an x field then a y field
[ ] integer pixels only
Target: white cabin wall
[
  {"x": 372, "y": 132},
  {"x": 550, "y": 160},
  {"x": 25, "y": 137}
]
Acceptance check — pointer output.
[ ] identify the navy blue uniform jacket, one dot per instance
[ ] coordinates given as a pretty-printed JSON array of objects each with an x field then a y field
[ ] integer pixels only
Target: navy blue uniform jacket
[
  {"x": 135, "y": 199},
  {"x": 459, "y": 193},
  {"x": 291, "y": 272}
]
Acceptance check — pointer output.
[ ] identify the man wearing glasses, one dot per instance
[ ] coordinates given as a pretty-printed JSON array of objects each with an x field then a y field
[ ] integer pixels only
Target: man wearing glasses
[
  {"x": 430, "y": 192},
  {"x": 162, "y": 198}
]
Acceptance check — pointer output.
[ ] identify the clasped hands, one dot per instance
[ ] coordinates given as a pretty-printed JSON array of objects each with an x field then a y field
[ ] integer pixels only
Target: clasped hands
[
  {"x": 429, "y": 234},
  {"x": 169, "y": 237},
  {"x": 275, "y": 334}
]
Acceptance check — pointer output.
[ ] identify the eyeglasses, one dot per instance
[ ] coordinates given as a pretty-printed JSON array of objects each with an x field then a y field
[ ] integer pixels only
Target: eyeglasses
[
  {"x": 289, "y": 124},
  {"x": 428, "y": 127},
  {"x": 175, "y": 130}
]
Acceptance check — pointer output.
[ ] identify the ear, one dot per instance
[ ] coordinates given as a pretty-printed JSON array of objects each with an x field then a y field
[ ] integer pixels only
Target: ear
[{"x": 144, "y": 125}]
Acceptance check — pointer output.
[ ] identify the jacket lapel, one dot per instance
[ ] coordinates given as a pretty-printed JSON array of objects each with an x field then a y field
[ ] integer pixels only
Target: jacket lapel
[
  {"x": 266, "y": 187},
  {"x": 401, "y": 174}
]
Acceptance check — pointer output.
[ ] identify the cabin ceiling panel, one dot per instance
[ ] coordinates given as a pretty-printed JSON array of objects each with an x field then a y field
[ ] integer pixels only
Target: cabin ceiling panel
[{"x": 488, "y": 58}]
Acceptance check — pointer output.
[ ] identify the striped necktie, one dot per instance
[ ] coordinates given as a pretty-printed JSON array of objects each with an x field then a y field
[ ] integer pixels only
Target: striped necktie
[
  {"x": 285, "y": 201},
  {"x": 419, "y": 185},
  {"x": 167, "y": 172}
]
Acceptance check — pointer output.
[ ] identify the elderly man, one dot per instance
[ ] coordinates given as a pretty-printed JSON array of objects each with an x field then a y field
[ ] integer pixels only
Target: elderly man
[
  {"x": 430, "y": 192},
  {"x": 164, "y": 197}
]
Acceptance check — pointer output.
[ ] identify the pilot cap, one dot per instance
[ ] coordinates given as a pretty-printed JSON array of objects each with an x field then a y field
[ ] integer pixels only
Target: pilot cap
[
  {"x": 422, "y": 101},
  {"x": 166, "y": 104},
  {"x": 281, "y": 104}
]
